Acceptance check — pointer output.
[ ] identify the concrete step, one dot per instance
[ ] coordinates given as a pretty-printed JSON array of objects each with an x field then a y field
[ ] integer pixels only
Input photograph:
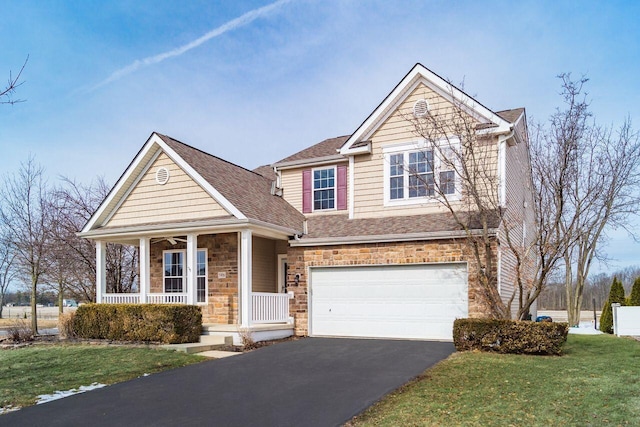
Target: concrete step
[{"x": 207, "y": 343}]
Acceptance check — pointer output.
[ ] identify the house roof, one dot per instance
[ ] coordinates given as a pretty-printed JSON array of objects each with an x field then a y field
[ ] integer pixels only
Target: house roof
[
  {"x": 328, "y": 147},
  {"x": 266, "y": 171},
  {"x": 248, "y": 191},
  {"x": 420, "y": 74},
  {"x": 340, "y": 226},
  {"x": 511, "y": 115}
]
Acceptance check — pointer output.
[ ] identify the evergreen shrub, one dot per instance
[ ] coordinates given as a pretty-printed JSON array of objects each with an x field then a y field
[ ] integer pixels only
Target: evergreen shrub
[{"x": 169, "y": 324}]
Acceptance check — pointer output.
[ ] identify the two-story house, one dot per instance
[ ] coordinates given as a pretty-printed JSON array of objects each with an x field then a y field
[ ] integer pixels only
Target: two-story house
[{"x": 344, "y": 238}]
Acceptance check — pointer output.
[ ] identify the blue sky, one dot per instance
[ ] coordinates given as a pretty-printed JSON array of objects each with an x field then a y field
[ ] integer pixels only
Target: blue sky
[{"x": 254, "y": 81}]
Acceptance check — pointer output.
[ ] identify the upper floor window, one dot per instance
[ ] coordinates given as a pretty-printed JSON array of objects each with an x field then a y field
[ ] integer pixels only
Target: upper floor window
[
  {"x": 324, "y": 188},
  {"x": 413, "y": 173}
]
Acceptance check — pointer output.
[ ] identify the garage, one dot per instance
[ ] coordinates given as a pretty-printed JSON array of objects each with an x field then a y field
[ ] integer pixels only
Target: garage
[{"x": 411, "y": 301}]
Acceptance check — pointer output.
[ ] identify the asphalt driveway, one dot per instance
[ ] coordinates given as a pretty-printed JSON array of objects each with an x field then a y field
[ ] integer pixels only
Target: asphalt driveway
[{"x": 309, "y": 382}]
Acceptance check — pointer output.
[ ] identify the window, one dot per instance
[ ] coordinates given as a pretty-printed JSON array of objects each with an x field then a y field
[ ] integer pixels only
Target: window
[
  {"x": 173, "y": 271},
  {"x": 421, "y": 174},
  {"x": 447, "y": 173},
  {"x": 324, "y": 187},
  {"x": 414, "y": 174},
  {"x": 201, "y": 292},
  {"x": 396, "y": 176}
]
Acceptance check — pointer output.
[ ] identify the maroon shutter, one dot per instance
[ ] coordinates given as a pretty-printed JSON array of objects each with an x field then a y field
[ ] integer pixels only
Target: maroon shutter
[
  {"x": 306, "y": 191},
  {"x": 342, "y": 187}
]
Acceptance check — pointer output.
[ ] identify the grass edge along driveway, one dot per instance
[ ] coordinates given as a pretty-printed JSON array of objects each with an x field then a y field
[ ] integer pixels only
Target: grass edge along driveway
[
  {"x": 596, "y": 382},
  {"x": 28, "y": 372}
]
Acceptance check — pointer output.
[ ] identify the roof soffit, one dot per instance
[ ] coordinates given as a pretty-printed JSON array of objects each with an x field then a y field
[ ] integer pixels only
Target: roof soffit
[{"x": 420, "y": 74}]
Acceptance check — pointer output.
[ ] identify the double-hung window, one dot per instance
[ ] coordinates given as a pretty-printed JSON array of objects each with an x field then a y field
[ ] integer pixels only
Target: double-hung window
[
  {"x": 201, "y": 292},
  {"x": 421, "y": 174},
  {"x": 174, "y": 280},
  {"x": 414, "y": 173},
  {"x": 324, "y": 188},
  {"x": 174, "y": 277}
]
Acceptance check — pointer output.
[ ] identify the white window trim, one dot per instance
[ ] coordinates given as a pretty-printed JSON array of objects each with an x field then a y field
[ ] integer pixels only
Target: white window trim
[
  {"x": 406, "y": 148},
  {"x": 335, "y": 189},
  {"x": 184, "y": 270},
  {"x": 206, "y": 277},
  {"x": 184, "y": 273}
]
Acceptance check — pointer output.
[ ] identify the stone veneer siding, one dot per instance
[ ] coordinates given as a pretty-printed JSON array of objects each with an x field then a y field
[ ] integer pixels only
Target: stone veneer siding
[
  {"x": 301, "y": 258},
  {"x": 222, "y": 257}
]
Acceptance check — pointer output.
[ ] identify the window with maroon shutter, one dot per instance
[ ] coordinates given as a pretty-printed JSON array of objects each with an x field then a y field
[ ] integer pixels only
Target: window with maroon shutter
[
  {"x": 306, "y": 191},
  {"x": 342, "y": 187}
]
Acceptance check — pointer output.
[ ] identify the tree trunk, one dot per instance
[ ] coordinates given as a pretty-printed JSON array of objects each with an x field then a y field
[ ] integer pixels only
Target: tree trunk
[
  {"x": 60, "y": 299},
  {"x": 34, "y": 312}
]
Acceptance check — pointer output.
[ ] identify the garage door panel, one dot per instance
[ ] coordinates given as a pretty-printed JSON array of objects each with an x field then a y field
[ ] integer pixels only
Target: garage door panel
[{"x": 407, "y": 301}]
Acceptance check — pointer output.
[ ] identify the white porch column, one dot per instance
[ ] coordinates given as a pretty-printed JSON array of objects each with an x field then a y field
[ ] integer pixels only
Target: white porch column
[
  {"x": 244, "y": 291},
  {"x": 145, "y": 266},
  {"x": 192, "y": 268},
  {"x": 101, "y": 270}
]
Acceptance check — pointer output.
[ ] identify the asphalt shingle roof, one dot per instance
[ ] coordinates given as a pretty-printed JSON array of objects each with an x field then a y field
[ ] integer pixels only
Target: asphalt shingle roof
[
  {"x": 341, "y": 226},
  {"x": 325, "y": 148},
  {"x": 248, "y": 191}
]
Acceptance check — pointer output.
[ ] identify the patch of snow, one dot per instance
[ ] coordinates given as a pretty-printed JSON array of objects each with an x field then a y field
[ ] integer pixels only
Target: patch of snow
[
  {"x": 585, "y": 328},
  {"x": 44, "y": 398},
  {"x": 8, "y": 409}
]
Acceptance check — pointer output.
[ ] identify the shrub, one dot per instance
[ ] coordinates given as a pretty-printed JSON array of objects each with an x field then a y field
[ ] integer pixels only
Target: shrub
[
  {"x": 19, "y": 331},
  {"x": 606, "y": 318},
  {"x": 634, "y": 298},
  {"x": 65, "y": 324},
  {"x": 171, "y": 324},
  {"x": 246, "y": 336},
  {"x": 509, "y": 336},
  {"x": 616, "y": 295}
]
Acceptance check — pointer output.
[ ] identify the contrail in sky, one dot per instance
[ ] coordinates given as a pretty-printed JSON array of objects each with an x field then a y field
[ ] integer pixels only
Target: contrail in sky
[{"x": 240, "y": 21}]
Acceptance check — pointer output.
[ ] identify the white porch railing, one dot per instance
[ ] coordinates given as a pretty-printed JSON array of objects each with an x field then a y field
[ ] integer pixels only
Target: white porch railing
[
  {"x": 168, "y": 298},
  {"x": 120, "y": 298},
  {"x": 270, "y": 308}
]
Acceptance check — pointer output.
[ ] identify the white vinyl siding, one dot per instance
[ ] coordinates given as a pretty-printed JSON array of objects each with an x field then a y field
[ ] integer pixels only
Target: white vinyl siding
[{"x": 179, "y": 199}]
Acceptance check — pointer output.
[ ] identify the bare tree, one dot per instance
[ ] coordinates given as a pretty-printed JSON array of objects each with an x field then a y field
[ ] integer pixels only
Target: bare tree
[
  {"x": 462, "y": 174},
  {"x": 587, "y": 180},
  {"x": 25, "y": 217},
  {"x": 7, "y": 269},
  {"x": 6, "y": 94},
  {"x": 74, "y": 204}
]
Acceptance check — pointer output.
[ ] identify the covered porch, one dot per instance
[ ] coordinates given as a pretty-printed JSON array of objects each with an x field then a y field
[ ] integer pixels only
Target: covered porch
[{"x": 238, "y": 277}]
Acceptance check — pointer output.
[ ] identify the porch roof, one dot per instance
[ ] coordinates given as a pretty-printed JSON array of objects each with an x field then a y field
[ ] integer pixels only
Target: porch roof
[
  {"x": 337, "y": 229},
  {"x": 226, "y": 224}
]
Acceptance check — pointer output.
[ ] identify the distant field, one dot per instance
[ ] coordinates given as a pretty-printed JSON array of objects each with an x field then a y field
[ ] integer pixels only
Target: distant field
[{"x": 47, "y": 316}]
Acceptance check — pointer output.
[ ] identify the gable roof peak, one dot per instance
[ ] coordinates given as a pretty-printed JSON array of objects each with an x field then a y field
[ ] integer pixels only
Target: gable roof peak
[{"x": 421, "y": 74}]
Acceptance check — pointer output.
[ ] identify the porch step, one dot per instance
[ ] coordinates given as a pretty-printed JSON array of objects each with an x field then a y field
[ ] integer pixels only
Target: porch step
[{"x": 207, "y": 343}]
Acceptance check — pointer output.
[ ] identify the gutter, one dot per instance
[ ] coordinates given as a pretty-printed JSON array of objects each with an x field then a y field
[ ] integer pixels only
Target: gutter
[{"x": 223, "y": 225}]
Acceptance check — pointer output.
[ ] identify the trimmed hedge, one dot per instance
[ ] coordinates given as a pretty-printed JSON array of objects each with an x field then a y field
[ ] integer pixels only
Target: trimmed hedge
[
  {"x": 509, "y": 336},
  {"x": 170, "y": 324}
]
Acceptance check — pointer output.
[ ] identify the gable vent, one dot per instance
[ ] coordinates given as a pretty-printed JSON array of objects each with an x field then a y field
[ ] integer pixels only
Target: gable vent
[
  {"x": 162, "y": 176},
  {"x": 420, "y": 108}
]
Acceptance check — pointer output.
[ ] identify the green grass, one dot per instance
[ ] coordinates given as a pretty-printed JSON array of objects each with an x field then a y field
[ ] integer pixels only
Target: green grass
[
  {"x": 28, "y": 372},
  {"x": 596, "y": 382}
]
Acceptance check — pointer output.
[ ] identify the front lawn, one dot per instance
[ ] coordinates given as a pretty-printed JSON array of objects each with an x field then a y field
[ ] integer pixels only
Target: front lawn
[
  {"x": 596, "y": 382},
  {"x": 28, "y": 372}
]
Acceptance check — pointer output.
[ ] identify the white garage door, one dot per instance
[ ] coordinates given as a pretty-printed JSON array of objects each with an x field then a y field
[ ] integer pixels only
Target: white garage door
[{"x": 393, "y": 301}]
